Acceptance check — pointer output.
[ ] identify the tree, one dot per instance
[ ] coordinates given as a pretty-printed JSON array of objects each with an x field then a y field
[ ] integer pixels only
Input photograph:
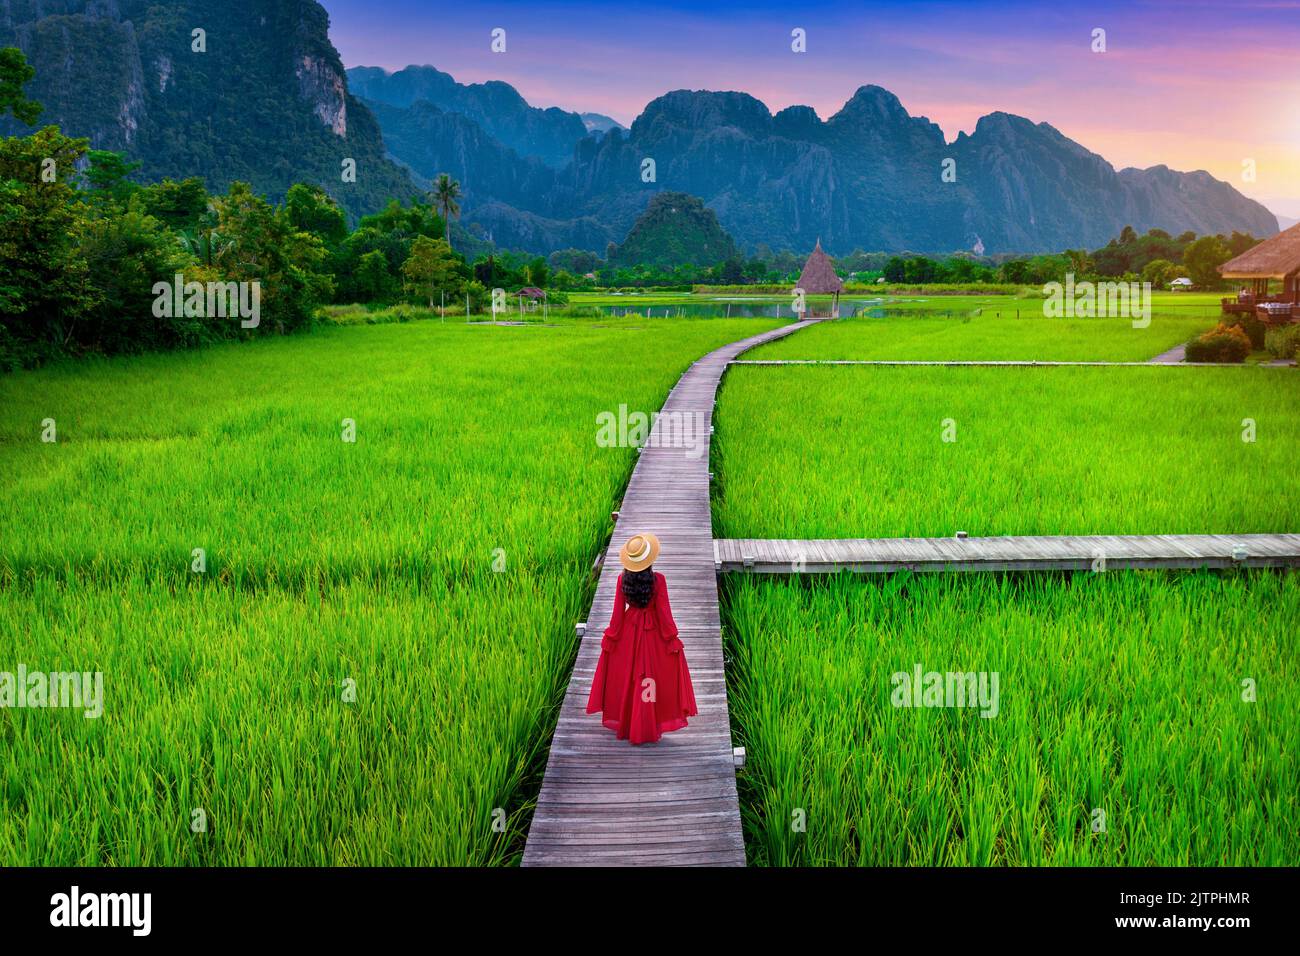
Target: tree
[
  {"x": 44, "y": 286},
  {"x": 730, "y": 271},
  {"x": 918, "y": 270},
  {"x": 1159, "y": 272},
  {"x": 1239, "y": 242},
  {"x": 178, "y": 205},
  {"x": 311, "y": 209},
  {"x": 1080, "y": 262},
  {"x": 126, "y": 252},
  {"x": 538, "y": 272},
  {"x": 895, "y": 269},
  {"x": 266, "y": 248},
  {"x": 1015, "y": 271},
  {"x": 446, "y": 192},
  {"x": 404, "y": 222},
  {"x": 204, "y": 243},
  {"x": 432, "y": 270},
  {"x": 15, "y": 73},
  {"x": 109, "y": 175},
  {"x": 576, "y": 261},
  {"x": 1203, "y": 258},
  {"x": 372, "y": 281}
]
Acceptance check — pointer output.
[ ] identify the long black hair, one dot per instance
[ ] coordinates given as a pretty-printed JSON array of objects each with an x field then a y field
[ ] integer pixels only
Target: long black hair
[{"x": 638, "y": 586}]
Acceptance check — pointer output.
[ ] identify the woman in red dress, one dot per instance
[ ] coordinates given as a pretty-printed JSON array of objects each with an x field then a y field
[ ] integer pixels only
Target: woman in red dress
[{"x": 642, "y": 684}]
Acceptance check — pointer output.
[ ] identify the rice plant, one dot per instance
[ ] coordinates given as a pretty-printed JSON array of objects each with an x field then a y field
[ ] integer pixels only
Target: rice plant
[
  {"x": 1003, "y": 330},
  {"x": 1143, "y": 719},
  {"x": 368, "y": 666},
  {"x": 889, "y": 451}
]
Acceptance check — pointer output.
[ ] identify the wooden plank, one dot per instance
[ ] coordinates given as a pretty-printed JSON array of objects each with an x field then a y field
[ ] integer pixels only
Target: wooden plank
[
  {"x": 1021, "y": 553},
  {"x": 603, "y": 801},
  {"x": 997, "y": 363}
]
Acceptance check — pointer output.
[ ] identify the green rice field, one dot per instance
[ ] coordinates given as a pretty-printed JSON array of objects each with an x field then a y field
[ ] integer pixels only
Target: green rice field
[
  {"x": 368, "y": 670},
  {"x": 368, "y": 667},
  {"x": 860, "y": 451},
  {"x": 1123, "y": 735},
  {"x": 994, "y": 334}
]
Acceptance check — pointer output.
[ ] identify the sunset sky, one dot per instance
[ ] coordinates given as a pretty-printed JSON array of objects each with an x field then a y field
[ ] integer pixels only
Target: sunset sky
[{"x": 1191, "y": 85}]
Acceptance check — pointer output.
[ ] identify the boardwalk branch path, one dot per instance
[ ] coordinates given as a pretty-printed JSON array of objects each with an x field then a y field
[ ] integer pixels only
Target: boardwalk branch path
[
  {"x": 1017, "y": 553},
  {"x": 603, "y": 801}
]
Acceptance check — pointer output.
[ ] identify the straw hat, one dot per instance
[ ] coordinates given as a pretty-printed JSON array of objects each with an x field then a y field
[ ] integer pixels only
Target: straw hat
[{"x": 639, "y": 552}]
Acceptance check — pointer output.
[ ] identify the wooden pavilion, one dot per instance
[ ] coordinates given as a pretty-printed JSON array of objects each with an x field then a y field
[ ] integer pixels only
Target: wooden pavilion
[
  {"x": 530, "y": 296},
  {"x": 1276, "y": 259},
  {"x": 819, "y": 278}
]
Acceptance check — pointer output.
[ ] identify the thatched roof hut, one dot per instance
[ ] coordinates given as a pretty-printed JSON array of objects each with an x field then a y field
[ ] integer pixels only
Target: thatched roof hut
[
  {"x": 1276, "y": 259},
  {"x": 819, "y": 278}
]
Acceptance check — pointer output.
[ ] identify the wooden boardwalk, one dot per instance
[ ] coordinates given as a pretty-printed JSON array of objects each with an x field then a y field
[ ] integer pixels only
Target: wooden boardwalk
[
  {"x": 1020, "y": 553},
  {"x": 603, "y": 801},
  {"x": 1032, "y": 363}
]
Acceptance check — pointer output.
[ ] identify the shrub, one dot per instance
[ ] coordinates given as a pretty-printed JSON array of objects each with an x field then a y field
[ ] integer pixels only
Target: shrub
[
  {"x": 1255, "y": 329},
  {"x": 1223, "y": 343},
  {"x": 1283, "y": 342}
]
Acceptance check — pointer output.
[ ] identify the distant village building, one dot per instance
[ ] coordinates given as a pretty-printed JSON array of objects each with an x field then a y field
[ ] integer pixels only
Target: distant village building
[
  {"x": 819, "y": 278},
  {"x": 1180, "y": 284},
  {"x": 1273, "y": 260}
]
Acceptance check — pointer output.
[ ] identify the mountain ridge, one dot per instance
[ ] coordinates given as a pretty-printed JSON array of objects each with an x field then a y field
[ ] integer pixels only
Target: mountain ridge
[
  {"x": 269, "y": 102},
  {"x": 870, "y": 176},
  {"x": 181, "y": 107},
  {"x": 547, "y": 133}
]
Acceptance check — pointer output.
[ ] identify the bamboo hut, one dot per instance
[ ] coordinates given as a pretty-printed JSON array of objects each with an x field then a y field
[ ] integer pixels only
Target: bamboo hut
[
  {"x": 1273, "y": 260},
  {"x": 819, "y": 278}
]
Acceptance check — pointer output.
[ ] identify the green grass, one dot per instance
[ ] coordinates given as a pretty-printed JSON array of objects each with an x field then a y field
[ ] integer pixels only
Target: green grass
[
  {"x": 858, "y": 451},
  {"x": 326, "y": 562},
  {"x": 1118, "y": 692},
  {"x": 994, "y": 334}
]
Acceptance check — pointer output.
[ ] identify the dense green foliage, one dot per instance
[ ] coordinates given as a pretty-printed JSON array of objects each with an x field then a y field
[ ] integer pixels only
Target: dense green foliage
[
  {"x": 1283, "y": 342},
  {"x": 82, "y": 255},
  {"x": 15, "y": 73},
  {"x": 675, "y": 228},
  {"x": 1154, "y": 257},
  {"x": 260, "y": 97}
]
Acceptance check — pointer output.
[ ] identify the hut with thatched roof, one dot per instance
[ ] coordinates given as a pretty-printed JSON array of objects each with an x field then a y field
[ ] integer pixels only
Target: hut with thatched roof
[
  {"x": 819, "y": 278},
  {"x": 1273, "y": 260}
]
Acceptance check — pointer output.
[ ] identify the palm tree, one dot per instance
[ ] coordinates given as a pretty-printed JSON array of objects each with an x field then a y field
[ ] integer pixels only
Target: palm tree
[
  {"x": 204, "y": 242},
  {"x": 445, "y": 193}
]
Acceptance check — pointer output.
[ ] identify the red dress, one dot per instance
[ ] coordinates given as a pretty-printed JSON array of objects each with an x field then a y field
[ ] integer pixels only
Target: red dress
[{"x": 642, "y": 684}]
